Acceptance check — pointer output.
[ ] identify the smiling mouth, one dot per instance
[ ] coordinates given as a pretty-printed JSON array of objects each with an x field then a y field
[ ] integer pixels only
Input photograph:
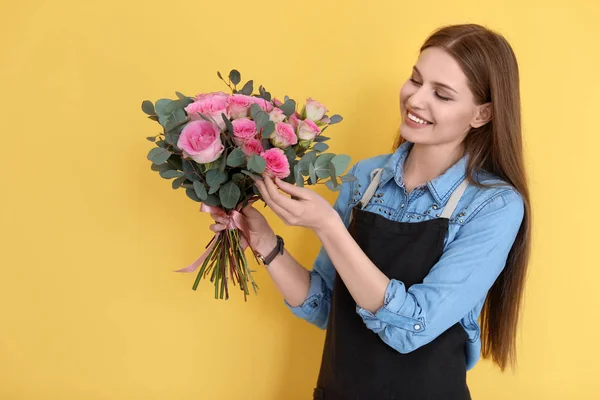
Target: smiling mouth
[{"x": 417, "y": 119}]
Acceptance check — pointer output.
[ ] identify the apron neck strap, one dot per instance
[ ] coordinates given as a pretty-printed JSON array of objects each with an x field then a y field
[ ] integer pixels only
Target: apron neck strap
[{"x": 448, "y": 209}]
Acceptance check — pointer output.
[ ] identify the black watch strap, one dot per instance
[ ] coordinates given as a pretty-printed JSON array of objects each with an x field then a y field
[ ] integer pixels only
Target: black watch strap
[{"x": 277, "y": 250}]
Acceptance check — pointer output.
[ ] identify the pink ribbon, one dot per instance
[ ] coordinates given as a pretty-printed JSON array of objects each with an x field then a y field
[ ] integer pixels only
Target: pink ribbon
[{"x": 236, "y": 221}]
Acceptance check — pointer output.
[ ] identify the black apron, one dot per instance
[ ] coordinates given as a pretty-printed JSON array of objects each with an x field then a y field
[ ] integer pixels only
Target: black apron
[{"x": 357, "y": 364}]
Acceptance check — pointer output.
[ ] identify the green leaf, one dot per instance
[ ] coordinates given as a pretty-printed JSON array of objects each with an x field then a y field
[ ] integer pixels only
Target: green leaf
[
  {"x": 148, "y": 107},
  {"x": 341, "y": 162},
  {"x": 151, "y": 138},
  {"x": 219, "y": 75},
  {"x": 333, "y": 185},
  {"x": 162, "y": 144},
  {"x": 261, "y": 119},
  {"x": 311, "y": 171},
  {"x": 223, "y": 160},
  {"x": 159, "y": 155},
  {"x": 229, "y": 194},
  {"x": 298, "y": 176},
  {"x": 154, "y": 118},
  {"x": 212, "y": 201},
  {"x": 268, "y": 129},
  {"x": 177, "y": 183},
  {"x": 289, "y": 107},
  {"x": 228, "y": 124},
  {"x": 191, "y": 170},
  {"x": 322, "y": 165},
  {"x": 235, "y": 77},
  {"x": 247, "y": 89},
  {"x": 332, "y": 172},
  {"x": 348, "y": 178},
  {"x": 214, "y": 189},
  {"x": 306, "y": 159},
  {"x": 236, "y": 158},
  {"x": 181, "y": 96},
  {"x": 175, "y": 162},
  {"x": 200, "y": 190},
  {"x": 334, "y": 119},
  {"x": 251, "y": 174},
  {"x": 192, "y": 195},
  {"x": 255, "y": 109},
  {"x": 290, "y": 153},
  {"x": 171, "y": 173},
  {"x": 320, "y": 147},
  {"x": 214, "y": 177},
  {"x": 237, "y": 178},
  {"x": 321, "y": 138},
  {"x": 161, "y": 106},
  {"x": 257, "y": 164},
  {"x": 161, "y": 168}
]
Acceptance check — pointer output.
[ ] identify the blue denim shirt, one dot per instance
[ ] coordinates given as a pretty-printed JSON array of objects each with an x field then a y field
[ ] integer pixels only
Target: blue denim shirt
[{"x": 481, "y": 233}]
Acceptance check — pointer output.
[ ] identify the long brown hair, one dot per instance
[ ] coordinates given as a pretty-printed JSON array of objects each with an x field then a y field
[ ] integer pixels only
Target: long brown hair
[{"x": 491, "y": 68}]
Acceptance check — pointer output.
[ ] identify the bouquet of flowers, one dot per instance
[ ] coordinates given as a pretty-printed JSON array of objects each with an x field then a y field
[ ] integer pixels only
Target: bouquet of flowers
[{"x": 213, "y": 143}]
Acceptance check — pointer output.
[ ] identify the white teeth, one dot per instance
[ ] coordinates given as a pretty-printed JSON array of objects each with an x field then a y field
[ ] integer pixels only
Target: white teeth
[{"x": 419, "y": 120}]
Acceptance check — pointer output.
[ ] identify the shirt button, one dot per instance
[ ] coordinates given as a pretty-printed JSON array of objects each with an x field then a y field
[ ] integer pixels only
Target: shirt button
[
  {"x": 402, "y": 205},
  {"x": 417, "y": 327}
]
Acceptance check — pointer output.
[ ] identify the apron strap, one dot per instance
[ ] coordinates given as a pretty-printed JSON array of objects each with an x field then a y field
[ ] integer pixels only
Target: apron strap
[
  {"x": 448, "y": 209},
  {"x": 453, "y": 202},
  {"x": 372, "y": 188}
]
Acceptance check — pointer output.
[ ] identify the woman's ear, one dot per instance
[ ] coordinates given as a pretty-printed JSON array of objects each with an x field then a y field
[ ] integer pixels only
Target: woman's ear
[{"x": 483, "y": 116}]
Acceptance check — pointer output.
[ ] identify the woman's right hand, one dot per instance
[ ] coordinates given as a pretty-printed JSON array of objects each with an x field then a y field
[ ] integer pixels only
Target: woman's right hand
[{"x": 261, "y": 236}]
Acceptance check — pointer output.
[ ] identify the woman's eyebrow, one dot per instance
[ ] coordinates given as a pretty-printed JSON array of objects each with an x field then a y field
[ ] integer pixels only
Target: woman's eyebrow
[{"x": 436, "y": 83}]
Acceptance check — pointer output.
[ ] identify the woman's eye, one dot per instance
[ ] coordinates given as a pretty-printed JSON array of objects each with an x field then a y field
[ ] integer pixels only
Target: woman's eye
[
  {"x": 414, "y": 81},
  {"x": 442, "y": 97}
]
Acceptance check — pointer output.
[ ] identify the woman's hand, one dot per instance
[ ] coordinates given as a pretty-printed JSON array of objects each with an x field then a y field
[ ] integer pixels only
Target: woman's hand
[
  {"x": 261, "y": 238},
  {"x": 306, "y": 209}
]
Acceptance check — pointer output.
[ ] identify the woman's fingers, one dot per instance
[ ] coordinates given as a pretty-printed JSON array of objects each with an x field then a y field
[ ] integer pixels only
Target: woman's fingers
[
  {"x": 217, "y": 227},
  {"x": 266, "y": 195},
  {"x": 281, "y": 200}
]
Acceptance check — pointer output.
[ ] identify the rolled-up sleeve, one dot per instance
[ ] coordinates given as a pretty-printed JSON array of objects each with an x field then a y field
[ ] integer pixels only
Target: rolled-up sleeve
[
  {"x": 315, "y": 309},
  {"x": 413, "y": 317}
]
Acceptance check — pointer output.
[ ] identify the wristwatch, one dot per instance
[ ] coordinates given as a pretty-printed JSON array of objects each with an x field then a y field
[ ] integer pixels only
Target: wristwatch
[{"x": 277, "y": 250}]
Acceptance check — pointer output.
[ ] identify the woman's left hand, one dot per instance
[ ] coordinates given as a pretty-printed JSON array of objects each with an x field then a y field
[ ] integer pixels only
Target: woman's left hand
[{"x": 307, "y": 209}]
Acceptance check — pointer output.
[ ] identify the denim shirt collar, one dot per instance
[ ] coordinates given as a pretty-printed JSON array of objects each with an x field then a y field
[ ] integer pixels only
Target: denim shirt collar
[{"x": 441, "y": 187}]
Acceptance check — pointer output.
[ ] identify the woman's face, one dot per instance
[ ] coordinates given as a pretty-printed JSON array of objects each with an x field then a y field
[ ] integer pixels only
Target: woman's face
[{"x": 436, "y": 104}]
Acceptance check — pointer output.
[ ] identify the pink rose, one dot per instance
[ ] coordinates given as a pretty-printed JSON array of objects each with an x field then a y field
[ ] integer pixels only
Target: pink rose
[
  {"x": 244, "y": 129},
  {"x": 276, "y": 115},
  {"x": 238, "y": 105},
  {"x": 314, "y": 110},
  {"x": 283, "y": 135},
  {"x": 265, "y": 105},
  {"x": 293, "y": 121},
  {"x": 252, "y": 146},
  {"x": 277, "y": 102},
  {"x": 277, "y": 163},
  {"x": 201, "y": 141},
  {"x": 307, "y": 130},
  {"x": 210, "y": 104}
]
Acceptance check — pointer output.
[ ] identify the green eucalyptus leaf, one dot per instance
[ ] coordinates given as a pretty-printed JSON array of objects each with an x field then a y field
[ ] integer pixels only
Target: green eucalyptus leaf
[
  {"x": 312, "y": 173},
  {"x": 320, "y": 147},
  {"x": 290, "y": 153},
  {"x": 236, "y": 158},
  {"x": 161, "y": 168},
  {"x": 219, "y": 75},
  {"x": 298, "y": 176},
  {"x": 261, "y": 119},
  {"x": 255, "y": 109},
  {"x": 332, "y": 172},
  {"x": 181, "y": 96},
  {"x": 191, "y": 170},
  {"x": 333, "y": 185},
  {"x": 228, "y": 124},
  {"x": 159, "y": 155},
  {"x": 268, "y": 129},
  {"x": 334, "y": 119},
  {"x": 212, "y": 201},
  {"x": 163, "y": 144},
  {"x": 288, "y": 107},
  {"x": 341, "y": 162},
  {"x": 257, "y": 164},
  {"x": 177, "y": 183},
  {"x": 192, "y": 195},
  {"x": 248, "y": 88},
  {"x": 171, "y": 173},
  {"x": 148, "y": 107},
  {"x": 223, "y": 161},
  {"x": 348, "y": 178},
  {"x": 214, "y": 177},
  {"x": 154, "y": 118},
  {"x": 235, "y": 77},
  {"x": 200, "y": 190},
  {"x": 161, "y": 106},
  {"x": 214, "y": 189},
  {"x": 321, "y": 138},
  {"x": 229, "y": 194}
]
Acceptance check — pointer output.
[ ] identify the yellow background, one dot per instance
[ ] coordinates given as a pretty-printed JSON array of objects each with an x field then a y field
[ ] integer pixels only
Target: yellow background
[{"x": 89, "y": 305}]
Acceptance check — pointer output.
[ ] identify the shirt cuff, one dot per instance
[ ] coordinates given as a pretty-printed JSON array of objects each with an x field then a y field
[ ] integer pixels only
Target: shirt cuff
[
  {"x": 315, "y": 299},
  {"x": 394, "y": 311}
]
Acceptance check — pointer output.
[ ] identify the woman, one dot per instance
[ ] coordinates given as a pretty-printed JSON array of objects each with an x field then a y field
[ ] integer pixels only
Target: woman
[{"x": 425, "y": 241}]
